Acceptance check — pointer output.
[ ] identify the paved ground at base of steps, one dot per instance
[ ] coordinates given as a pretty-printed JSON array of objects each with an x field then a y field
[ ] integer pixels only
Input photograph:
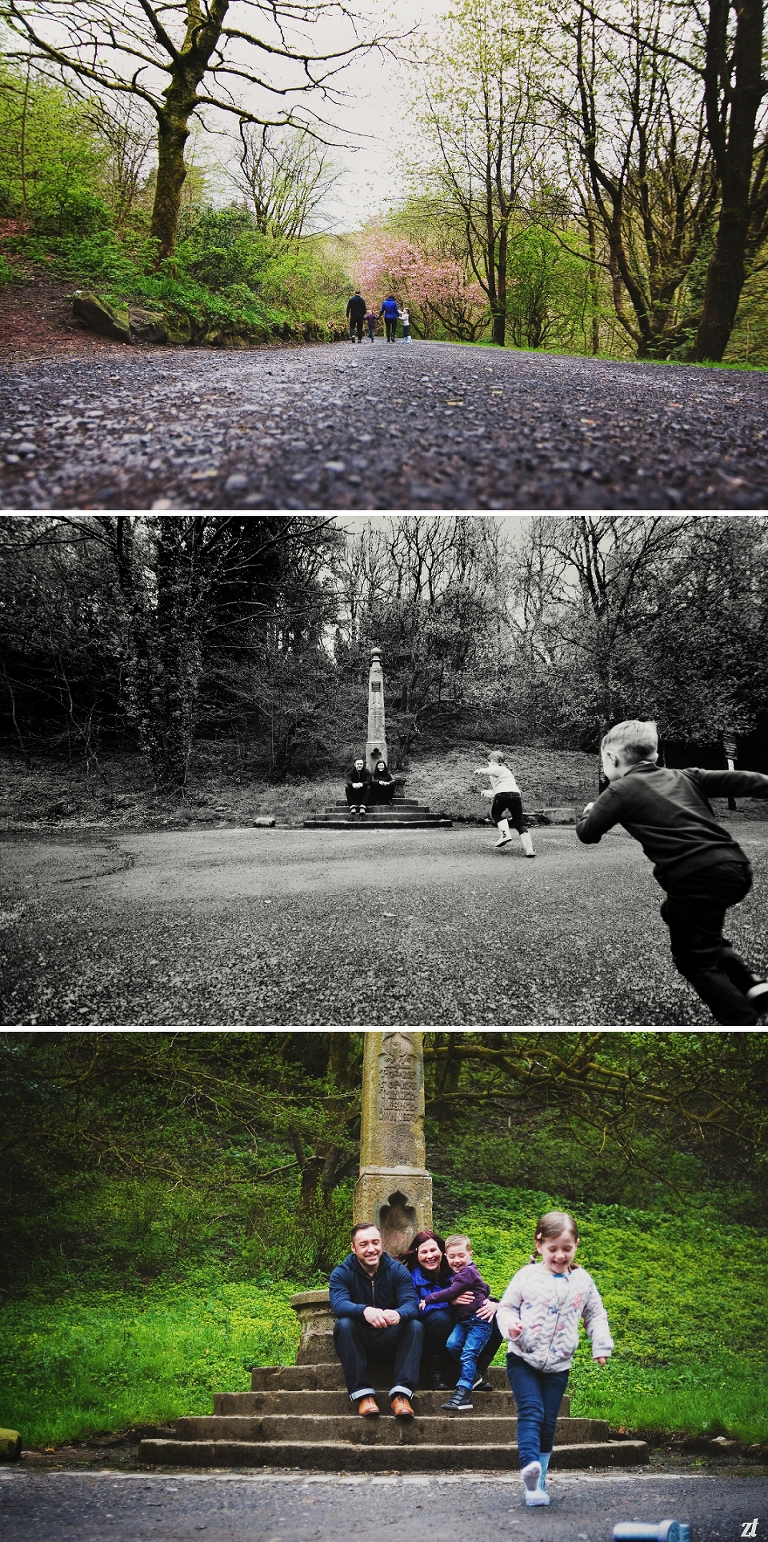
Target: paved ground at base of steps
[
  {"x": 337, "y": 426},
  {"x": 289, "y": 1507},
  {"x": 309, "y": 928}
]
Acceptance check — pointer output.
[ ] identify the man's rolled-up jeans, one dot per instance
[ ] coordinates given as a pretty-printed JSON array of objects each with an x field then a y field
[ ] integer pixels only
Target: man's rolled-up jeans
[
  {"x": 356, "y": 1342},
  {"x": 469, "y": 1337},
  {"x": 694, "y": 911}
]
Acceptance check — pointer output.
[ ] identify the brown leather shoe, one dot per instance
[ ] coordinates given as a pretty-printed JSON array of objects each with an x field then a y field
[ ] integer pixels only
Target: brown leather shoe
[
  {"x": 368, "y": 1405},
  {"x": 401, "y": 1406}
]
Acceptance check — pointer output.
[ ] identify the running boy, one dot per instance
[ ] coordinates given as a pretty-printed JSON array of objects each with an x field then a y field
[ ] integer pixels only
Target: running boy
[
  {"x": 507, "y": 805},
  {"x": 697, "y": 862},
  {"x": 471, "y": 1334}
]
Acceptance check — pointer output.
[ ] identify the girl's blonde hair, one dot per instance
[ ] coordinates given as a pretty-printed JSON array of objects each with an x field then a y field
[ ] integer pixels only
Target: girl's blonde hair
[{"x": 551, "y": 1225}]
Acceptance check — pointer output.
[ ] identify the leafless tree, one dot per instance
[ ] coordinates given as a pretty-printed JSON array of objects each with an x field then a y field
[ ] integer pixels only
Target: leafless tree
[
  {"x": 285, "y": 176},
  {"x": 185, "y": 57}
]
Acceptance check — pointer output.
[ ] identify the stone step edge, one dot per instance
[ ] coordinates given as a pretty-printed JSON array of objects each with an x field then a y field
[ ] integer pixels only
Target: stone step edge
[
  {"x": 337, "y": 1455},
  {"x": 433, "y": 1429},
  {"x": 431, "y": 823}
]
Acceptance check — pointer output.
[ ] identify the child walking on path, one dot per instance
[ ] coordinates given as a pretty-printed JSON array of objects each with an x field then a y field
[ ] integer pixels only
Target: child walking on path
[
  {"x": 507, "y": 805},
  {"x": 539, "y": 1314},
  {"x": 471, "y": 1333},
  {"x": 697, "y": 862}
]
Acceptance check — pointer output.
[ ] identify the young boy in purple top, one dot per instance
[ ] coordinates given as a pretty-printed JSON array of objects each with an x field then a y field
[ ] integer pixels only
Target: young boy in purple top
[
  {"x": 471, "y": 1334},
  {"x": 696, "y": 861}
]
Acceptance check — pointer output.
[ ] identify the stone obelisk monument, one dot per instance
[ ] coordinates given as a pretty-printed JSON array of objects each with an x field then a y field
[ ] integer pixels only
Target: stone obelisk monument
[
  {"x": 394, "y": 1189},
  {"x": 376, "y": 743}
]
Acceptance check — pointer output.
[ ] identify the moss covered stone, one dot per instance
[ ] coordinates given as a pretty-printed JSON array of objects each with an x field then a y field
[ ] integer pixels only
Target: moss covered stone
[{"x": 100, "y": 316}]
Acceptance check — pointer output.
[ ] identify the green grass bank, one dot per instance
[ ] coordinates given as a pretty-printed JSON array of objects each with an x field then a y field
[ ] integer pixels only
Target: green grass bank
[{"x": 683, "y": 1293}]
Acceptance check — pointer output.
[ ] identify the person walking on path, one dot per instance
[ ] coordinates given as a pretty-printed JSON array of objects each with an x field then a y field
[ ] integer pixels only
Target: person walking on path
[
  {"x": 699, "y": 865},
  {"x": 356, "y": 311},
  {"x": 507, "y": 805},
  {"x": 358, "y": 787},
  {"x": 539, "y": 1315},
  {"x": 390, "y": 310},
  {"x": 376, "y": 1308},
  {"x": 370, "y": 317},
  {"x": 406, "y": 325}
]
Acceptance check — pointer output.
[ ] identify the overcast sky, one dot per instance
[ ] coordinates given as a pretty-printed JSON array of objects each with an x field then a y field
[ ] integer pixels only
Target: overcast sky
[{"x": 374, "y": 116}]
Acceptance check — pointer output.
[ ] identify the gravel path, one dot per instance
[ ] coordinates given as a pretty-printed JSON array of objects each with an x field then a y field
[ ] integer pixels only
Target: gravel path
[
  {"x": 336, "y": 928},
  {"x": 294, "y": 1507},
  {"x": 342, "y": 426}
]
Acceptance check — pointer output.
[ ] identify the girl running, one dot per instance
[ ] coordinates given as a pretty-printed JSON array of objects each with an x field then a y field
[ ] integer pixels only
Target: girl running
[
  {"x": 539, "y": 1315},
  {"x": 507, "y": 805}
]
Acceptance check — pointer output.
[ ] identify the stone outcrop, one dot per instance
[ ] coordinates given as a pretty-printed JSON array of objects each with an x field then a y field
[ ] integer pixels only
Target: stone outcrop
[
  {"x": 109, "y": 320},
  {"x": 135, "y": 324}
]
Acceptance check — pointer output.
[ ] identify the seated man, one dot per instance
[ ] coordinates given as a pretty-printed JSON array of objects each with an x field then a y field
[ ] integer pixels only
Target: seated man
[
  {"x": 358, "y": 787},
  {"x": 374, "y": 1301}
]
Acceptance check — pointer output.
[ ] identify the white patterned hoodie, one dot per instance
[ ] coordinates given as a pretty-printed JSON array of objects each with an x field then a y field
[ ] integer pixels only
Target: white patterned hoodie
[{"x": 550, "y": 1308}]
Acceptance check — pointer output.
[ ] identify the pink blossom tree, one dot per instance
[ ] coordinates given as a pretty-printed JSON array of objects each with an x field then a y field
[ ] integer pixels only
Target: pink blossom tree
[{"x": 434, "y": 286}]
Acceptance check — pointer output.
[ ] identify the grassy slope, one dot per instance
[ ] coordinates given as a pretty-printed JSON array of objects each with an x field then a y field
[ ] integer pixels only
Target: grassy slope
[
  {"x": 684, "y": 1300},
  {"x": 120, "y": 794}
]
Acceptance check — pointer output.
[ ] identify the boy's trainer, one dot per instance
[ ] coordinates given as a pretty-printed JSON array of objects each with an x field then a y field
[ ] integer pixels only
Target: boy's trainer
[{"x": 459, "y": 1401}]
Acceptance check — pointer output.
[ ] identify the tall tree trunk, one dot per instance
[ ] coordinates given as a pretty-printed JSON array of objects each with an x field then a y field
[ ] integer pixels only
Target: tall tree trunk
[
  {"x": 173, "y": 133},
  {"x": 500, "y": 314},
  {"x": 734, "y": 157},
  {"x": 594, "y": 287}
]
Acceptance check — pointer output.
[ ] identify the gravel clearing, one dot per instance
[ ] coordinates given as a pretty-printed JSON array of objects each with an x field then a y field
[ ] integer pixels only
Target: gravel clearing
[
  {"x": 294, "y": 1507},
  {"x": 316, "y": 928},
  {"x": 362, "y": 426}
]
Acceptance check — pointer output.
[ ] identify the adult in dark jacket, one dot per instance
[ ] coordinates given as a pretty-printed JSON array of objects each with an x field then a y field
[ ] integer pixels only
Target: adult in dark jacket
[
  {"x": 356, "y": 309},
  {"x": 427, "y": 1265},
  {"x": 377, "y": 1316},
  {"x": 390, "y": 310},
  {"x": 382, "y": 783},
  {"x": 358, "y": 787}
]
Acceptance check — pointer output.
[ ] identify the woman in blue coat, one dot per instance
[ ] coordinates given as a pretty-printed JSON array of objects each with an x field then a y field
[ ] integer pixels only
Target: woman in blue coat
[{"x": 390, "y": 310}]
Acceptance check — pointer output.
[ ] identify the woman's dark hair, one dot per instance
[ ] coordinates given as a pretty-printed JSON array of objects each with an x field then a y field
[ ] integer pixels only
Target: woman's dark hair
[{"x": 410, "y": 1256}]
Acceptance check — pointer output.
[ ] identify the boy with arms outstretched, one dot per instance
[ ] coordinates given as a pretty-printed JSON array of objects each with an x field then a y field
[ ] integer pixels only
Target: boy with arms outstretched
[{"x": 696, "y": 861}]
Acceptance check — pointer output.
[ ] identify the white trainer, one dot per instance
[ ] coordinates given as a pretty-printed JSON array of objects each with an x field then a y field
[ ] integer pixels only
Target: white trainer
[{"x": 504, "y": 840}]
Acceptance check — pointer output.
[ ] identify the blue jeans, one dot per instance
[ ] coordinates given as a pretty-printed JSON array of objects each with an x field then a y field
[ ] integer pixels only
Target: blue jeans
[
  {"x": 468, "y": 1338},
  {"x": 538, "y": 1395}
]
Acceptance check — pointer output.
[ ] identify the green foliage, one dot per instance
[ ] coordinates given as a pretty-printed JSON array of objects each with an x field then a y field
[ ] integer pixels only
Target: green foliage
[
  {"x": 549, "y": 299},
  {"x": 684, "y": 1299},
  {"x": 51, "y": 158},
  {"x": 101, "y": 1360}
]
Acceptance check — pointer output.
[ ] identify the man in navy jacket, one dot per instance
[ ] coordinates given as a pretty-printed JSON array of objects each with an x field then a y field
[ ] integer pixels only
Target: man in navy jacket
[{"x": 376, "y": 1307}]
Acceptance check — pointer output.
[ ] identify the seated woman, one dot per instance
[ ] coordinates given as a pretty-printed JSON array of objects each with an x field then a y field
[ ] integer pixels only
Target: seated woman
[
  {"x": 358, "y": 787},
  {"x": 425, "y": 1258},
  {"x": 382, "y": 784}
]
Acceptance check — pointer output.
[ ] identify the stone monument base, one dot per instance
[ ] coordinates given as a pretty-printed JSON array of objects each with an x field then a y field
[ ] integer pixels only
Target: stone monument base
[{"x": 396, "y": 1199}]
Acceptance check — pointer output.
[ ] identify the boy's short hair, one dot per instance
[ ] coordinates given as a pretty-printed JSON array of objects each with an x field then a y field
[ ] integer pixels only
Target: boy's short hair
[
  {"x": 635, "y": 739},
  {"x": 457, "y": 1238}
]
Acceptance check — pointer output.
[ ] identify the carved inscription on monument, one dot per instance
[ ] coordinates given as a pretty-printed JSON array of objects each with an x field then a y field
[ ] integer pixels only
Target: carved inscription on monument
[{"x": 398, "y": 1099}]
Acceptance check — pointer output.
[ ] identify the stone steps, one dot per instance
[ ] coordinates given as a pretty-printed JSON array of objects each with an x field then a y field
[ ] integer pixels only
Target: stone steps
[
  {"x": 457, "y": 1429},
  {"x": 325, "y": 1376},
  {"x": 373, "y": 822},
  {"x": 341, "y": 1456},
  {"x": 300, "y": 1416},
  {"x": 401, "y": 814},
  {"x": 336, "y": 1404}
]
